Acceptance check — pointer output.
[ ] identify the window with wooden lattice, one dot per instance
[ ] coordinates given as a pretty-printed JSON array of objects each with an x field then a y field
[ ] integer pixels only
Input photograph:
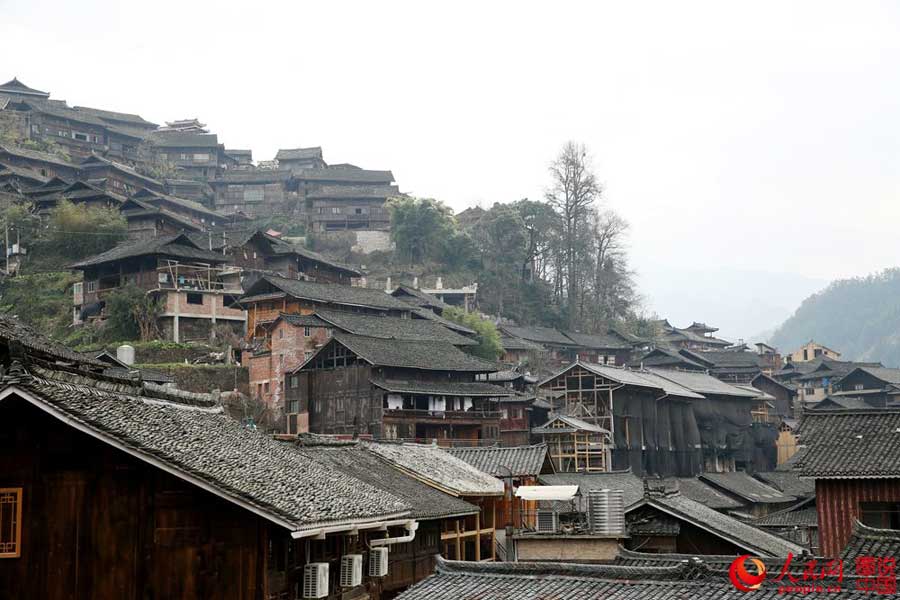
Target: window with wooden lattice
[{"x": 10, "y": 522}]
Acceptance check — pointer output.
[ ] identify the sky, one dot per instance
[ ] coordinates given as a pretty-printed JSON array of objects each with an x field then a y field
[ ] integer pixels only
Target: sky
[{"x": 753, "y": 147}]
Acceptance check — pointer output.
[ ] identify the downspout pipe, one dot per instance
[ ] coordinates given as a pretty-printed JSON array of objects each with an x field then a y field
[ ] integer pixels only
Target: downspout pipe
[{"x": 410, "y": 527}]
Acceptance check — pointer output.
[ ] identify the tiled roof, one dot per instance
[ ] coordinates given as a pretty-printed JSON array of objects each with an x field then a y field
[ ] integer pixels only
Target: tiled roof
[
  {"x": 326, "y": 293},
  {"x": 737, "y": 532},
  {"x": 438, "y": 468},
  {"x": 156, "y": 198},
  {"x": 417, "y": 297},
  {"x": 299, "y": 153},
  {"x": 185, "y": 140},
  {"x": 356, "y": 461},
  {"x": 95, "y": 161},
  {"x": 16, "y": 86},
  {"x": 697, "y": 490},
  {"x": 790, "y": 517},
  {"x": 730, "y": 358},
  {"x": 517, "y": 461},
  {"x": 541, "y": 335},
  {"x": 424, "y": 313},
  {"x": 203, "y": 445},
  {"x": 514, "y": 343},
  {"x": 177, "y": 246},
  {"x": 13, "y": 331},
  {"x": 345, "y": 174},
  {"x": 573, "y": 424},
  {"x": 596, "y": 341},
  {"x": 252, "y": 176},
  {"x": 688, "y": 579},
  {"x": 883, "y": 373},
  {"x": 631, "y": 485},
  {"x": 789, "y": 483},
  {"x": 744, "y": 486},
  {"x": 850, "y": 444},
  {"x": 37, "y": 156},
  {"x": 702, "y": 383},
  {"x": 868, "y": 541},
  {"x": 393, "y": 328},
  {"x": 443, "y": 388},
  {"x": 432, "y": 356},
  {"x": 635, "y": 377},
  {"x": 115, "y": 116}
]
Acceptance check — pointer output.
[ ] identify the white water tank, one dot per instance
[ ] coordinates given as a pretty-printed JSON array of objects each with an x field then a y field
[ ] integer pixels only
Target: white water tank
[
  {"x": 125, "y": 354},
  {"x": 606, "y": 512}
]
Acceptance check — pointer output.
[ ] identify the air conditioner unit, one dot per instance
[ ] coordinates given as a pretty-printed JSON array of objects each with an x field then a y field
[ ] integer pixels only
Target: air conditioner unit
[
  {"x": 378, "y": 562},
  {"x": 547, "y": 521},
  {"x": 351, "y": 570},
  {"x": 315, "y": 580}
]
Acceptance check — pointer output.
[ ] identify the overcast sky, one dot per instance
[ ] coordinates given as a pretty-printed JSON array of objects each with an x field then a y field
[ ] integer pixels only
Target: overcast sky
[{"x": 751, "y": 147}]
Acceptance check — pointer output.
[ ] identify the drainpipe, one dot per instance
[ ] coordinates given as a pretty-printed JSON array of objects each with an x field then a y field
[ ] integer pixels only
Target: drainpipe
[{"x": 410, "y": 527}]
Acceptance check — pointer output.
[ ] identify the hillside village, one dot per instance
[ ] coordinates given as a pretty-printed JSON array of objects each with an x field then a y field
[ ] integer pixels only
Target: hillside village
[{"x": 234, "y": 378}]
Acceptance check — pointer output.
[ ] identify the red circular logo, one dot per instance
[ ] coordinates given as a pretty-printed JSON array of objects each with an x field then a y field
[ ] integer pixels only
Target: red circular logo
[{"x": 743, "y": 579}]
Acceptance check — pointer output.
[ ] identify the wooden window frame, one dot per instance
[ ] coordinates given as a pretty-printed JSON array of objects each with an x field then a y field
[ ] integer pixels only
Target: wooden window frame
[{"x": 18, "y": 523}]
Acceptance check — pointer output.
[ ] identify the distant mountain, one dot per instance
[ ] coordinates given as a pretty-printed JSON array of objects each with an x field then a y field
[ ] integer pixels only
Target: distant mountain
[
  {"x": 858, "y": 317},
  {"x": 742, "y": 303}
]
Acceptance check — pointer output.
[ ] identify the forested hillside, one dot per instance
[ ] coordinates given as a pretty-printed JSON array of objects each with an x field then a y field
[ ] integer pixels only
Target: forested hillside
[{"x": 859, "y": 317}]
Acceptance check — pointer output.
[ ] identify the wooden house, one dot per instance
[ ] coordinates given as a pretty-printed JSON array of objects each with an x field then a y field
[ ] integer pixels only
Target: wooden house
[
  {"x": 198, "y": 213},
  {"x": 811, "y": 351},
  {"x": 120, "y": 178},
  {"x": 116, "y": 488},
  {"x": 256, "y": 192},
  {"x": 345, "y": 198},
  {"x": 854, "y": 458},
  {"x": 195, "y": 287},
  {"x": 697, "y": 336},
  {"x": 80, "y": 134},
  {"x": 515, "y": 466},
  {"x": 295, "y": 159},
  {"x": 292, "y": 339},
  {"x": 473, "y": 538},
  {"x": 147, "y": 222},
  {"x": 659, "y": 421},
  {"x": 48, "y": 165},
  {"x": 197, "y": 155},
  {"x": 396, "y": 389},
  {"x": 878, "y": 387},
  {"x": 270, "y": 296},
  {"x": 16, "y": 90},
  {"x": 238, "y": 159}
]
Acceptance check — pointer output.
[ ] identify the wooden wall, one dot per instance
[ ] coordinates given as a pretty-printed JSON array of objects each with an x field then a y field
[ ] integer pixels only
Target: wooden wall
[
  {"x": 837, "y": 504},
  {"x": 100, "y": 524}
]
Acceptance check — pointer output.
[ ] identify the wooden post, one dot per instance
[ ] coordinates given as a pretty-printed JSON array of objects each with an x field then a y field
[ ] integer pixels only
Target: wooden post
[
  {"x": 459, "y": 555},
  {"x": 494, "y": 532},
  {"x": 478, "y": 536}
]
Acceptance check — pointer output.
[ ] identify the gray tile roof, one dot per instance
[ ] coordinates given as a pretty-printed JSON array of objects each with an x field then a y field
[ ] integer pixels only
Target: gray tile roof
[
  {"x": 205, "y": 446},
  {"x": 597, "y": 341},
  {"x": 631, "y": 485},
  {"x": 299, "y": 153},
  {"x": 516, "y": 461},
  {"x": 431, "y": 356},
  {"x": 185, "y": 140},
  {"x": 572, "y": 424},
  {"x": 695, "y": 489},
  {"x": 417, "y": 297},
  {"x": 393, "y": 328},
  {"x": 176, "y": 246},
  {"x": 250, "y": 176},
  {"x": 850, "y": 444},
  {"x": 869, "y": 541},
  {"x": 356, "y": 461},
  {"x": 325, "y": 293},
  {"x": 424, "y": 313},
  {"x": 789, "y": 483},
  {"x": 541, "y": 335},
  {"x": 36, "y": 156},
  {"x": 635, "y": 377},
  {"x": 688, "y": 579},
  {"x": 438, "y": 468},
  {"x": 514, "y": 343},
  {"x": 746, "y": 487},
  {"x": 443, "y": 388},
  {"x": 703, "y": 383},
  {"x": 737, "y": 532},
  {"x": 115, "y": 116},
  {"x": 790, "y": 517},
  {"x": 13, "y": 331},
  {"x": 342, "y": 174}
]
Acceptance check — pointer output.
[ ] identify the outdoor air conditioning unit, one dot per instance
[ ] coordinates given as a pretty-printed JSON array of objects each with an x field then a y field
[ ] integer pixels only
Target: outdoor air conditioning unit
[
  {"x": 547, "y": 521},
  {"x": 378, "y": 562},
  {"x": 351, "y": 570},
  {"x": 315, "y": 580},
  {"x": 606, "y": 512}
]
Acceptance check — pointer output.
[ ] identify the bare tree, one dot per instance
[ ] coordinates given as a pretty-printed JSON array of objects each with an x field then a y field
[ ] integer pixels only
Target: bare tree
[{"x": 572, "y": 194}]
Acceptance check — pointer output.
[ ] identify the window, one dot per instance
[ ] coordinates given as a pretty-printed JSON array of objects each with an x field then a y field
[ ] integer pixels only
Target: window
[
  {"x": 358, "y": 211},
  {"x": 254, "y": 193},
  {"x": 307, "y": 355},
  {"x": 281, "y": 360},
  {"x": 10, "y": 522},
  {"x": 295, "y": 381},
  {"x": 281, "y": 334},
  {"x": 881, "y": 515},
  {"x": 335, "y": 210},
  {"x": 306, "y": 332},
  {"x": 201, "y": 156},
  {"x": 194, "y": 298},
  {"x": 82, "y": 137},
  {"x": 294, "y": 406},
  {"x": 266, "y": 387},
  {"x": 91, "y": 286},
  {"x": 858, "y": 386}
]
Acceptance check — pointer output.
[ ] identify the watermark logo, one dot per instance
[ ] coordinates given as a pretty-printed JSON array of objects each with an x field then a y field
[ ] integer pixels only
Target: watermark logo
[{"x": 743, "y": 578}]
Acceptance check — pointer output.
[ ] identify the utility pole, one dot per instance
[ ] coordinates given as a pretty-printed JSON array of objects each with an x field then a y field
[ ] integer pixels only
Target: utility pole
[{"x": 6, "y": 243}]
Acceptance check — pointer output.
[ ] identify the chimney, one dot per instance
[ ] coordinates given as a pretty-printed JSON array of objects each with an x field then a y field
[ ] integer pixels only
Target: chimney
[
  {"x": 416, "y": 282},
  {"x": 387, "y": 285},
  {"x": 439, "y": 284}
]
